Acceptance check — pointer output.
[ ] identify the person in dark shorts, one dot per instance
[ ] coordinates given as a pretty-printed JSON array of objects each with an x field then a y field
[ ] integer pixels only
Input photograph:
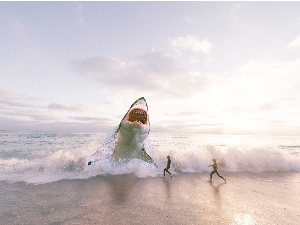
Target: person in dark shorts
[
  {"x": 168, "y": 166},
  {"x": 215, "y": 166}
]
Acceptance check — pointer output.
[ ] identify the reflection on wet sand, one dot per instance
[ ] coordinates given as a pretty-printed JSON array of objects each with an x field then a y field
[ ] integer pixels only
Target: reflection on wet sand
[
  {"x": 216, "y": 188},
  {"x": 244, "y": 219},
  {"x": 187, "y": 198},
  {"x": 216, "y": 192},
  {"x": 168, "y": 189},
  {"x": 121, "y": 187},
  {"x": 237, "y": 218}
]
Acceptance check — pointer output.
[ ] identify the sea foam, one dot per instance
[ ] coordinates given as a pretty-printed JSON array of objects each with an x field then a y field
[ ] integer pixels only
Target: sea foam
[{"x": 43, "y": 157}]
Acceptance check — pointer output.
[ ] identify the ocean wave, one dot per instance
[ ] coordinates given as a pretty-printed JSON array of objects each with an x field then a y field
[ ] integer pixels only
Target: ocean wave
[{"x": 62, "y": 164}]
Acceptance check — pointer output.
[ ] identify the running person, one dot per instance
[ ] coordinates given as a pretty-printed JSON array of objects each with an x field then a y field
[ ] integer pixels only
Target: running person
[
  {"x": 215, "y": 166},
  {"x": 168, "y": 166}
]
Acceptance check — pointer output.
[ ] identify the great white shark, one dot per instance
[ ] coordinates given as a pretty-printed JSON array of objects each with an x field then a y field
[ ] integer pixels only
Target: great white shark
[{"x": 130, "y": 135}]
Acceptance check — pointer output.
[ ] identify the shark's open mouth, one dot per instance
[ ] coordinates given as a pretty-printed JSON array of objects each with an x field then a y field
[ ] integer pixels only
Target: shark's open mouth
[{"x": 138, "y": 115}]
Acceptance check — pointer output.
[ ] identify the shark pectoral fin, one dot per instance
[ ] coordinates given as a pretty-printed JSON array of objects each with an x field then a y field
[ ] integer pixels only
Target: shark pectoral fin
[
  {"x": 114, "y": 153},
  {"x": 95, "y": 154},
  {"x": 93, "y": 158},
  {"x": 145, "y": 157}
]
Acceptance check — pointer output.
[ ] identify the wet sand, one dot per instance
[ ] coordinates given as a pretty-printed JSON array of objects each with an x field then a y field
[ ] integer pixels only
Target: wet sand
[{"x": 186, "y": 198}]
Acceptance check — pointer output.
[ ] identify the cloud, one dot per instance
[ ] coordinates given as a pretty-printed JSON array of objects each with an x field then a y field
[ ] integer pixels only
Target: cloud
[
  {"x": 187, "y": 126},
  {"x": 67, "y": 107},
  {"x": 111, "y": 71},
  {"x": 152, "y": 72},
  {"x": 20, "y": 112},
  {"x": 10, "y": 94},
  {"x": 240, "y": 101},
  {"x": 191, "y": 43},
  {"x": 235, "y": 19},
  {"x": 160, "y": 64},
  {"x": 189, "y": 19},
  {"x": 28, "y": 114},
  {"x": 262, "y": 90},
  {"x": 260, "y": 81},
  {"x": 16, "y": 103},
  {"x": 275, "y": 105},
  {"x": 81, "y": 19},
  {"x": 43, "y": 120},
  {"x": 14, "y": 99},
  {"x": 295, "y": 43},
  {"x": 41, "y": 116},
  {"x": 237, "y": 110},
  {"x": 184, "y": 114},
  {"x": 92, "y": 119},
  {"x": 235, "y": 8},
  {"x": 22, "y": 41},
  {"x": 62, "y": 126}
]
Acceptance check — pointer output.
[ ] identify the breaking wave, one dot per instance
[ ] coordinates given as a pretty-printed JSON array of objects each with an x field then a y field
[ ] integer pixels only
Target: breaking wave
[{"x": 43, "y": 157}]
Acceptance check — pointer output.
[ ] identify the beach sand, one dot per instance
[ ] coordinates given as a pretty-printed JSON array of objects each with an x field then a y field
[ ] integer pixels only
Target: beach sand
[{"x": 186, "y": 198}]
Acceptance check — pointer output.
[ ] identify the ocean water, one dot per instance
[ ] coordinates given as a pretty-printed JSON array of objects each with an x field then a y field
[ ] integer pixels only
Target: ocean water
[{"x": 45, "y": 157}]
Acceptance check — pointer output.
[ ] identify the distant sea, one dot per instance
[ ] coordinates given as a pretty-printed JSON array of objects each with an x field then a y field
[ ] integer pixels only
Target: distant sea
[{"x": 45, "y": 157}]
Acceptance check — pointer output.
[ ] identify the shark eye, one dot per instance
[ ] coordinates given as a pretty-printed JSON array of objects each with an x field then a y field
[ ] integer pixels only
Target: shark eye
[{"x": 138, "y": 116}]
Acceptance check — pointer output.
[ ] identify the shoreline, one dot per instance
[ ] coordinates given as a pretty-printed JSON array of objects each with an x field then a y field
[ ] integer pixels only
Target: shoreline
[{"x": 186, "y": 198}]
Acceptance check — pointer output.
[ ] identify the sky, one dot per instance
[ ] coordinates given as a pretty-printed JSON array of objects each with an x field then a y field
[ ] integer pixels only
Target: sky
[{"x": 203, "y": 67}]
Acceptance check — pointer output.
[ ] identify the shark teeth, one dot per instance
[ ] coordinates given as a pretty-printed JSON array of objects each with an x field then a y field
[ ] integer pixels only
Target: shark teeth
[{"x": 137, "y": 116}]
